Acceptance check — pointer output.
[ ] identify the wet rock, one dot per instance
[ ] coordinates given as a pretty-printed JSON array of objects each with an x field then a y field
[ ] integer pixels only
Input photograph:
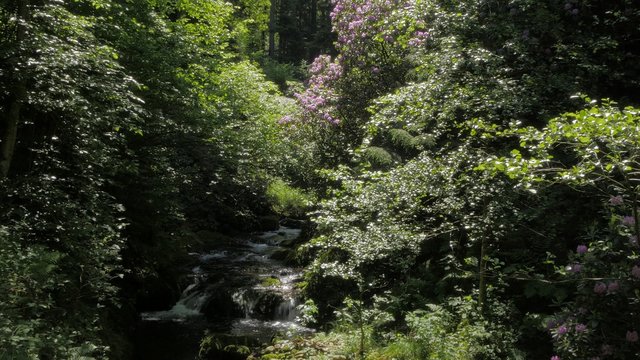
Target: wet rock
[
  {"x": 282, "y": 254},
  {"x": 268, "y": 223},
  {"x": 221, "y": 306},
  {"x": 293, "y": 223},
  {"x": 212, "y": 240},
  {"x": 289, "y": 243},
  {"x": 156, "y": 294},
  {"x": 258, "y": 303},
  {"x": 218, "y": 354}
]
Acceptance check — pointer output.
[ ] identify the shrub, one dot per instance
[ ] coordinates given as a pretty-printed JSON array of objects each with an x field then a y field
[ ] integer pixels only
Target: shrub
[{"x": 287, "y": 200}]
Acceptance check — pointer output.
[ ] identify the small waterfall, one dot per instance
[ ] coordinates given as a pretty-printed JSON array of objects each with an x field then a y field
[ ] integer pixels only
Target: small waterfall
[
  {"x": 190, "y": 303},
  {"x": 241, "y": 289},
  {"x": 193, "y": 301},
  {"x": 287, "y": 310},
  {"x": 246, "y": 300}
]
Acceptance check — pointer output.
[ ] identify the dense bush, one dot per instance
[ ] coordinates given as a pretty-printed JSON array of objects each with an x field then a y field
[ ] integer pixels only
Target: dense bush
[
  {"x": 288, "y": 201},
  {"x": 129, "y": 128},
  {"x": 431, "y": 109}
]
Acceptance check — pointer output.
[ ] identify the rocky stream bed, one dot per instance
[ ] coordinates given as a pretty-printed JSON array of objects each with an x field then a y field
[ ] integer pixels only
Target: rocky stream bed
[{"x": 242, "y": 294}]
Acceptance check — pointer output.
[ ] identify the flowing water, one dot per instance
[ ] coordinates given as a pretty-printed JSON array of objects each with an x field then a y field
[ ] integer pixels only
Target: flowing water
[{"x": 239, "y": 293}]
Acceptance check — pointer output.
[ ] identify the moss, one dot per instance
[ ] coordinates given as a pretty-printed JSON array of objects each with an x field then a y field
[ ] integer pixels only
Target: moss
[{"x": 271, "y": 281}]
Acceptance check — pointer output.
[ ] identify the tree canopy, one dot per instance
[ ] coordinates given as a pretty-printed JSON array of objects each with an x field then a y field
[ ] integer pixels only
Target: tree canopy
[{"x": 468, "y": 171}]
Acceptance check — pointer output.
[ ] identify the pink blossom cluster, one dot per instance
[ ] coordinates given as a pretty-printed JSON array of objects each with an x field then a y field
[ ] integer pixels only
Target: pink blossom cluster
[
  {"x": 601, "y": 288},
  {"x": 323, "y": 70},
  {"x": 419, "y": 38},
  {"x": 582, "y": 249},
  {"x": 361, "y": 23},
  {"x": 318, "y": 100},
  {"x": 616, "y": 200},
  {"x": 628, "y": 221},
  {"x": 357, "y": 22}
]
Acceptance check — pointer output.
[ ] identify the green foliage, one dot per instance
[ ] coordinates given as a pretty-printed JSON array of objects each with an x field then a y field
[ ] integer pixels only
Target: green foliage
[
  {"x": 403, "y": 139},
  {"x": 270, "y": 281},
  {"x": 251, "y": 21},
  {"x": 450, "y": 332},
  {"x": 210, "y": 344},
  {"x": 141, "y": 124},
  {"x": 287, "y": 200},
  {"x": 599, "y": 140},
  {"x": 378, "y": 157},
  {"x": 600, "y": 143},
  {"x": 433, "y": 185},
  {"x": 438, "y": 333},
  {"x": 284, "y": 75},
  {"x": 435, "y": 336},
  {"x": 308, "y": 312}
]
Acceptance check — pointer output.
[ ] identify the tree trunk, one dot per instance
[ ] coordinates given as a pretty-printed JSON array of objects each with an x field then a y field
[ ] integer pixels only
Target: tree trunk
[
  {"x": 482, "y": 286},
  {"x": 313, "y": 20},
  {"x": 272, "y": 28},
  {"x": 19, "y": 94}
]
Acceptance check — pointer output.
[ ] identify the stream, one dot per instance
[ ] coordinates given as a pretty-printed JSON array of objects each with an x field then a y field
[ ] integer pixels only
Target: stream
[{"x": 243, "y": 294}]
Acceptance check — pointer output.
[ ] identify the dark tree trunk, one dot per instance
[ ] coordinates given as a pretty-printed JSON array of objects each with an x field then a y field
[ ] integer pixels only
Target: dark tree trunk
[
  {"x": 11, "y": 119},
  {"x": 313, "y": 18},
  {"x": 273, "y": 13},
  {"x": 482, "y": 286}
]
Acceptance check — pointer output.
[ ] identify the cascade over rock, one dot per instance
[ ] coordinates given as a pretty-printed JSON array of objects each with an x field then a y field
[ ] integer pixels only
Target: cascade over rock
[{"x": 242, "y": 292}]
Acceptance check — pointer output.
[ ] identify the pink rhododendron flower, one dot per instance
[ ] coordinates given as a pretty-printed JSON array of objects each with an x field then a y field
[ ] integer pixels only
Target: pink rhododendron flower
[
  {"x": 581, "y": 328},
  {"x": 616, "y": 200},
  {"x": 561, "y": 330},
  {"x": 581, "y": 249},
  {"x": 632, "y": 336},
  {"x": 613, "y": 287},
  {"x": 635, "y": 271},
  {"x": 628, "y": 221},
  {"x": 575, "y": 268},
  {"x": 285, "y": 119},
  {"x": 600, "y": 288},
  {"x": 606, "y": 350}
]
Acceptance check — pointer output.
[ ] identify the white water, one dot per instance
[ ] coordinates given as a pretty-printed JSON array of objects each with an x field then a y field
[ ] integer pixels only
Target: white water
[
  {"x": 189, "y": 305},
  {"x": 246, "y": 303},
  {"x": 287, "y": 310},
  {"x": 280, "y": 235},
  {"x": 254, "y": 256}
]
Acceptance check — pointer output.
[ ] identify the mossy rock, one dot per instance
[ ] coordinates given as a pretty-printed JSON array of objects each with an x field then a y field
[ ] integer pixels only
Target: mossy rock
[
  {"x": 271, "y": 281},
  {"x": 274, "y": 356},
  {"x": 221, "y": 306},
  {"x": 282, "y": 254}
]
